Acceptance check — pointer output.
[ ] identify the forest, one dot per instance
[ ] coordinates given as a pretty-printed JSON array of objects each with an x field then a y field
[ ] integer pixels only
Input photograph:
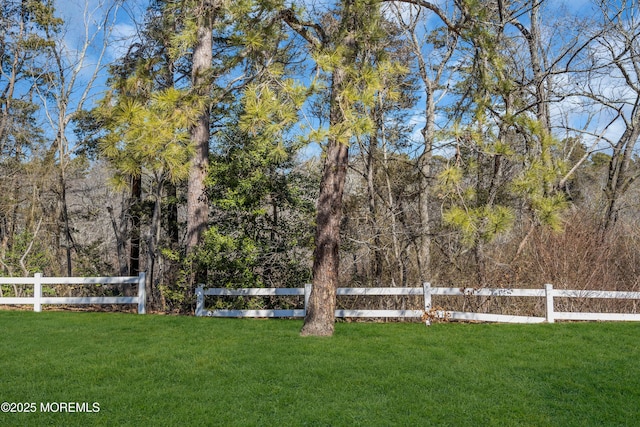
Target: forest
[{"x": 272, "y": 143}]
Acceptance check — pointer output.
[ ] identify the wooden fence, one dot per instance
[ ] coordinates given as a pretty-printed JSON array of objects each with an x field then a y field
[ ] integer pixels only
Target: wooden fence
[
  {"x": 428, "y": 313},
  {"x": 37, "y": 299}
]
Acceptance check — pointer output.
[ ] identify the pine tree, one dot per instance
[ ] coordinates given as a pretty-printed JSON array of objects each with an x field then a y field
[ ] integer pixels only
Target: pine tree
[
  {"x": 149, "y": 136},
  {"x": 503, "y": 154}
]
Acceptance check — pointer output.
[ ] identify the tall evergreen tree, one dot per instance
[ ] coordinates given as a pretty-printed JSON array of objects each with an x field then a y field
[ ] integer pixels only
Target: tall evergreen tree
[{"x": 337, "y": 45}]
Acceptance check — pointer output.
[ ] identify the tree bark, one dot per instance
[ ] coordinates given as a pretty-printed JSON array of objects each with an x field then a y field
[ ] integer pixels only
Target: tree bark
[
  {"x": 320, "y": 318},
  {"x": 424, "y": 199},
  {"x": 153, "y": 295},
  {"x": 135, "y": 208},
  {"x": 197, "y": 203}
]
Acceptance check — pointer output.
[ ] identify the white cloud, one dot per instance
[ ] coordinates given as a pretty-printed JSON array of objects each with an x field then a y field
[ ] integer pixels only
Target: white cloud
[{"x": 122, "y": 37}]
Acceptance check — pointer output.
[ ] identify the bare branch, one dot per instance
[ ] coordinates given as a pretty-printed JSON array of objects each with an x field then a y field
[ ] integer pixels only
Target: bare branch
[
  {"x": 453, "y": 26},
  {"x": 26, "y": 252}
]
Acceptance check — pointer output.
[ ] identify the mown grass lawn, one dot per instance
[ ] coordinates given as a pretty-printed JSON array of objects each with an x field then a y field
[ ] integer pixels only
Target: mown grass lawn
[{"x": 170, "y": 371}]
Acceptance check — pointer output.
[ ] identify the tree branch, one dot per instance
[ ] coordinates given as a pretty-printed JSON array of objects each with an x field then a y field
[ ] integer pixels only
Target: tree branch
[
  {"x": 453, "y": 26},
  {"x": 26, "y": 252},
  {"x": 302, "y": 28}
]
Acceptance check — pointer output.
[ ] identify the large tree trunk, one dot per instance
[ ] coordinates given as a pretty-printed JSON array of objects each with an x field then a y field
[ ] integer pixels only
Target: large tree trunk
[
  {"x": 320, "y": 317},
  {"x": 197, "y": 204}
]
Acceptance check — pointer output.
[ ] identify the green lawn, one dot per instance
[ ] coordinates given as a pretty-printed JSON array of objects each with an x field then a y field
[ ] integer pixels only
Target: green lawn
[{"x": 170, "y": 371}]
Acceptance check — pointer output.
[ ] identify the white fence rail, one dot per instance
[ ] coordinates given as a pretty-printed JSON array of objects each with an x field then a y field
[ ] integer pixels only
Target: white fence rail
[
  {"x": 306, "y": 291},
  {"x": 548, "y": 293},
  {"x": 37, "y": 300}
]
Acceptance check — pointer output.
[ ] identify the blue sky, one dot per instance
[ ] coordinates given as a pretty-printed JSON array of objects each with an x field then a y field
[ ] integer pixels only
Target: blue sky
[
  {"x": 85, "y": 53},
  {"x": 82, "y": 18}
]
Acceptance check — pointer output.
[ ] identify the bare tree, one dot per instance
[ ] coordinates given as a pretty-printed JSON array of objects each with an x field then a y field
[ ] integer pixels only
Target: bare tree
[
  {"x": 433, "y": 49},
  {"x": 69, "y": 75},
  {"x": 614, "y": 80}
]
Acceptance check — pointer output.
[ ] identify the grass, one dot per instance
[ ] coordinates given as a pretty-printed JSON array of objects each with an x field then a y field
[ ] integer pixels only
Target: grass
[{"x": 167, "y": 371}]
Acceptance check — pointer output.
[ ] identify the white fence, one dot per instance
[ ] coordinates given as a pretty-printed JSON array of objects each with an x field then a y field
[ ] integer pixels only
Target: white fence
[
  {"x": 306, "y": 291},
  {"x": 37, "y": 300},
  {"x": 428, "y": 313}
]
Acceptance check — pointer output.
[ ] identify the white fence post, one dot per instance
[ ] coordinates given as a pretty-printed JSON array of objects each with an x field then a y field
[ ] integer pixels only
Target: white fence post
[
  {"x": 549, "y": 296},
  {"x": 37, "y": 292},
  {"x": 200, "y": 301},
  {"x": 427, "y": 302},
  {"x": 142, "y": 292},
  {"x": 307, "y": 294}
]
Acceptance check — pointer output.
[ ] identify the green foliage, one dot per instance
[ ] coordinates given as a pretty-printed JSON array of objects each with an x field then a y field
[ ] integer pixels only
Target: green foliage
[
  {"x": 505, "y": 157},
  {"x": 230, "y": 260},
  {"x": 450, "y": 179},
  {"x": 536, "y": 184},
  {"x": 42, "y": 13},
  {"x": 479, "y": 224},
  {"x": 152, "y": 135},
  {"x": 549, "y": 209},
  {"x": 477, "y": 192},
  {"x": 182, "y": 42},
  {"x": 262, "y": 213},
  {"x": 261, "y": 210},
  {"x": 270, "y": 109},
  {"x": 600, "y": 159}
]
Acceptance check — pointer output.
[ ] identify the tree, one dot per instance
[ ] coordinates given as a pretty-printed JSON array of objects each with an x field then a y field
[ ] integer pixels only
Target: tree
[
  {"x": 68, "y": 76},
  {"x": 197, "y": 205},
  {"x": 147, "y": 67},
  {"x": 20, "y": 133},
  {"x": 150, "y": 137},
  {"x": 336, "y": 47},
  {"x": 433, "y": 49},
  {"x": 615, "y": 61},
  {"x": 503, "y": 153},
  {"x": 220, "y": 67}
]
